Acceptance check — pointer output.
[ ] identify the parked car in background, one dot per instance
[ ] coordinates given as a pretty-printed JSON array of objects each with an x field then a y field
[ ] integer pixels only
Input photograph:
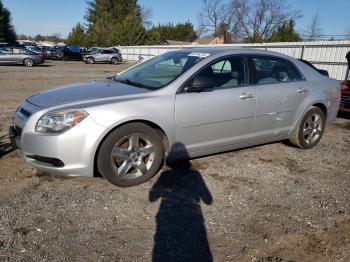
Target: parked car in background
[
  {"x": 65, "y": 53},
  {"x": 345, "y": 97},
  {"x": 321, "y": 71},
  {"x": 190, "y": 102},
  {"x": 112, "y": 56},
  {"x": 19, "y": 55}
]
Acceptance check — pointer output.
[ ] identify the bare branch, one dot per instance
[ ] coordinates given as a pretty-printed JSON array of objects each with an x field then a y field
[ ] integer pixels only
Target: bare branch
[{"x": 314, "y": 30}]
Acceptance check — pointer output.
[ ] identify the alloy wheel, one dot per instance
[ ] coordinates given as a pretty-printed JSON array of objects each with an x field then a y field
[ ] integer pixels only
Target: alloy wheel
[
  {"x": 313, "y": 128},
  {"x": 132, "y": 156}
]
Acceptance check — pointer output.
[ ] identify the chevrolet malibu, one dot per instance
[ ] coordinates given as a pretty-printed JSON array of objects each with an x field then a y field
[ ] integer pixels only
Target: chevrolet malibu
[{"x": 186, "y": 103}]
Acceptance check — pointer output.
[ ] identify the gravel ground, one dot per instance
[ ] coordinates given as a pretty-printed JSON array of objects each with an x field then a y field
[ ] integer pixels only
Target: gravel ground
[{"x": 266, "y": 203}]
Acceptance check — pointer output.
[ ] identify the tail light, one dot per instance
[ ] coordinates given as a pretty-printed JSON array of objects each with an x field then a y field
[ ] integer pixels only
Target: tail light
[{"x": 344, "y": 84}]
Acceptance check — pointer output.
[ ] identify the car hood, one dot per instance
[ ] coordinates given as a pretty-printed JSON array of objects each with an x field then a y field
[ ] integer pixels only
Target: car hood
[{"x": 83, "y": 92}]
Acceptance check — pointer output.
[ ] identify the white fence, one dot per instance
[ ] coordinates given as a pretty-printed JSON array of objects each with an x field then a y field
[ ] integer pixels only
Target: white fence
[{"x": 328, "y": 55}]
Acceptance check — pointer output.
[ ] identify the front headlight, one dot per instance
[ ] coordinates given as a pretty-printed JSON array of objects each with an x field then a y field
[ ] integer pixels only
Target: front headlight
[{"x": 58, "y": 122}]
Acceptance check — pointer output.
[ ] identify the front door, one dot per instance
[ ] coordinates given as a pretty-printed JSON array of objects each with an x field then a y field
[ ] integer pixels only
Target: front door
[{"x": 220, "y": 116}]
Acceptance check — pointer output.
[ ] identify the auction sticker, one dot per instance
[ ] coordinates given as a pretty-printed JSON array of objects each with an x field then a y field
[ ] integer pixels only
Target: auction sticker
[{"x": 202, "y": 55}]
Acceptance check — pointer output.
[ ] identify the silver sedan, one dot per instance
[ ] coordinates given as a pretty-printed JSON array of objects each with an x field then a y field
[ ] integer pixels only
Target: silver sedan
[
  {"x": 22, "y": 56},
  {"x": 181, "y": 104}
]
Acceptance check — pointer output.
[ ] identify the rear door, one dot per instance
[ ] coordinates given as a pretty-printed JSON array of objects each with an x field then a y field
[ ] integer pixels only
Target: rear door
[
  {"x": 222, "y": 115},
  {"x": 105, "y": 55},
  {"x": 281, "y": 89}
]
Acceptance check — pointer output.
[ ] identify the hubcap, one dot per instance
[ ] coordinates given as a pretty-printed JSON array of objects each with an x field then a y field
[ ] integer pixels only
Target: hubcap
[
  {"x": 312, "y": 128},
  {"x": 28, "y": 62},
  {"x": 132, "y": 156}
]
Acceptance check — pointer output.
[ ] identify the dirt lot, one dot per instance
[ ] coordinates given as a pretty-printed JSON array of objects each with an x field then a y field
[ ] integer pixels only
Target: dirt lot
[{"x": 266, "y": 203}]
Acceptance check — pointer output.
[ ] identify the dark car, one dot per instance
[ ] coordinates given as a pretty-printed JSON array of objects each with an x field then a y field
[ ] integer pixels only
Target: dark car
[
  {"x": 18, "y": 55},
  {"x": 66, "y": 53},
  {"x": 345, "y": 97}
]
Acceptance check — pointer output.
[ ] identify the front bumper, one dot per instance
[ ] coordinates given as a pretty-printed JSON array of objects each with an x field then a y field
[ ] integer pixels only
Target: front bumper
[{"x": 71, "y": 153}]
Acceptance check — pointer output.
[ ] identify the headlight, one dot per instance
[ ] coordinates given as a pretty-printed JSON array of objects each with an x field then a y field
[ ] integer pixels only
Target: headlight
[{"x": 58, "y": 122}]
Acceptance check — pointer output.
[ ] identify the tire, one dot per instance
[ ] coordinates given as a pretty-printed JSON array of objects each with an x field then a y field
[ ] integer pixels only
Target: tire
[
  {"x": 59, "y": 56},
  {"x": 310, "y": 129},
  {"x": 130, "y": 155},
  {"x": 90, "y": 60},
  {"x": 114, "y": 60},
  {"x": 28, "y": 62}
]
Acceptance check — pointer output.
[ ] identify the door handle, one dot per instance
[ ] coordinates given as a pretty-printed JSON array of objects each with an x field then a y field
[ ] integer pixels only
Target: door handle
[
  {"x": 301, "y": 90},
  {"x": 246, "y": 96}
]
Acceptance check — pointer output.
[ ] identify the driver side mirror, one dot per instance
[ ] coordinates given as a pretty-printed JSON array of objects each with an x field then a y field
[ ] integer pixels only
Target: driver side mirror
[{"x": 200, "y": 84}]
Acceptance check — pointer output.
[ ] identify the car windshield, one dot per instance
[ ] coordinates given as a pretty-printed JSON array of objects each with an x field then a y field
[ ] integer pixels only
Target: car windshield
[{"x": 161, "y": 70}]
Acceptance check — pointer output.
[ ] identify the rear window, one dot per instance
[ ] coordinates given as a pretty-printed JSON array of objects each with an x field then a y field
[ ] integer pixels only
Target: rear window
[{"x": 273, "y": 70}]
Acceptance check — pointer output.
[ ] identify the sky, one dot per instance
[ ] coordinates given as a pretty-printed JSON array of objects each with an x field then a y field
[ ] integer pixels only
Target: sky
[{"x": 46, "y": 17}]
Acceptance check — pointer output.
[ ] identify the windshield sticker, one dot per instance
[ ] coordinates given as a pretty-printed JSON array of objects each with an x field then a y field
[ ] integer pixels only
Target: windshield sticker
[{"x": 202, "y": 55}]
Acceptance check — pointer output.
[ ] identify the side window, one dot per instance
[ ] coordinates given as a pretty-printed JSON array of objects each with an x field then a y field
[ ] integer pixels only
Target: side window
[
  {"x": 226, "y": 73},
  {"x": 6, "y": 50},
  {"x": 223, "y": 66},
  {"x": 273, "y": 70}
]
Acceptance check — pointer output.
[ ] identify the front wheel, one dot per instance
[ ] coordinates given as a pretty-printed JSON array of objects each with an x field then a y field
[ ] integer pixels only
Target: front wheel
[
  {"x": 310, "y": 129},
  {"x": 130, "y": 155},
  {"x": 28, "y": 62},
  {"x": 90, "y": 60}
]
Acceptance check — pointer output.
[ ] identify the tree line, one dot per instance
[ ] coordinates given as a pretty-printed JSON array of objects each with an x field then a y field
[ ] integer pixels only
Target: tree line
[{"x": 125, "y": 22}]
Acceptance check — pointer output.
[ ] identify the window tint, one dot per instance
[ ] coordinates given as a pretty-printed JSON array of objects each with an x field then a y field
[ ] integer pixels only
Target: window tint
[
  {"x": 6, "y": 50},
  {"x": 273, "y": 70},
  {"x": 226, "y": 73},
  {"x": 20, "y": 51}
]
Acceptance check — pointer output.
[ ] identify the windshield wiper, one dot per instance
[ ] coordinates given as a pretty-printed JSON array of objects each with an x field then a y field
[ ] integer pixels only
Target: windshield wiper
[{"x": 128, "y": 82}]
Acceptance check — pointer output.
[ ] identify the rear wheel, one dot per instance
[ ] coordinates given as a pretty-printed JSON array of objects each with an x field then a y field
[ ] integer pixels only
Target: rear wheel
[
  {"x": 114, "y": 60},
  {"x": 28, "y": 62},
  {"x": 130, "y": 155},
  {"x": 310, "y": 130}
]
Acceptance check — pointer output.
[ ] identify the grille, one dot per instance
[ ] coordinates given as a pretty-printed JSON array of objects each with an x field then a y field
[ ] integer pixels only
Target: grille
[
  {"x": 345, "y": 101},
  {"x": 25, "y": 112}
]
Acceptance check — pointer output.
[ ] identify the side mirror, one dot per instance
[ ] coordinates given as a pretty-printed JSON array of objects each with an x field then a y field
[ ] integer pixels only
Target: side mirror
[
  {"x": 200, "y": 84},
  {"x": 323, "y": 72}
]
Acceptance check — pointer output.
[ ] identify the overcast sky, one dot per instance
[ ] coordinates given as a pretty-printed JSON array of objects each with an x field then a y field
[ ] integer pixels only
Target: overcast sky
[{"x": 33, "y": 17}]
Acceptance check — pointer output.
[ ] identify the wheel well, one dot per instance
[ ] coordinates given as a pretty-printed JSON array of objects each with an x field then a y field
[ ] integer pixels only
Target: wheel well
[
  {"x": 159, "y": 130},
  {"x": 322, "y": 107}
]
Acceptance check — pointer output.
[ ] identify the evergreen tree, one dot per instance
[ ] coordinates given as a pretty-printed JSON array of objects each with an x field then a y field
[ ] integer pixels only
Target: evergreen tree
[
  {"x": 106, "y": 18},
  {"x": 129, "y": 32},
  {"x": 286, "y": 33},
  {"x": 179, "y": 32},
  {"x": 77, "y": 36},
  {"x": 7, "y": 33}
]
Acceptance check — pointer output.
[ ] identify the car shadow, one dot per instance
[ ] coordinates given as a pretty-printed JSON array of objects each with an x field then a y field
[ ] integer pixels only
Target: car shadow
[
  {"x": 180, "y": 234},
  {"x": 20, "y": 65},
  {"x": 5, "y": 146}
]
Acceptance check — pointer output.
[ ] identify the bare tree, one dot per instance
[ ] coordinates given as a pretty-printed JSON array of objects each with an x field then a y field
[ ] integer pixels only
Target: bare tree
[
  {"x": 314, "y": 29},
  {"x": 253, "y": 20},
  {"x": 258, "y": 20},
  {"x": 215, "y": 15}
]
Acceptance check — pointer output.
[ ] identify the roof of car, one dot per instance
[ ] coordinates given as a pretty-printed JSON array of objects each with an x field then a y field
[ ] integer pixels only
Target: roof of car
[{"x": 233, "y": 50}]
